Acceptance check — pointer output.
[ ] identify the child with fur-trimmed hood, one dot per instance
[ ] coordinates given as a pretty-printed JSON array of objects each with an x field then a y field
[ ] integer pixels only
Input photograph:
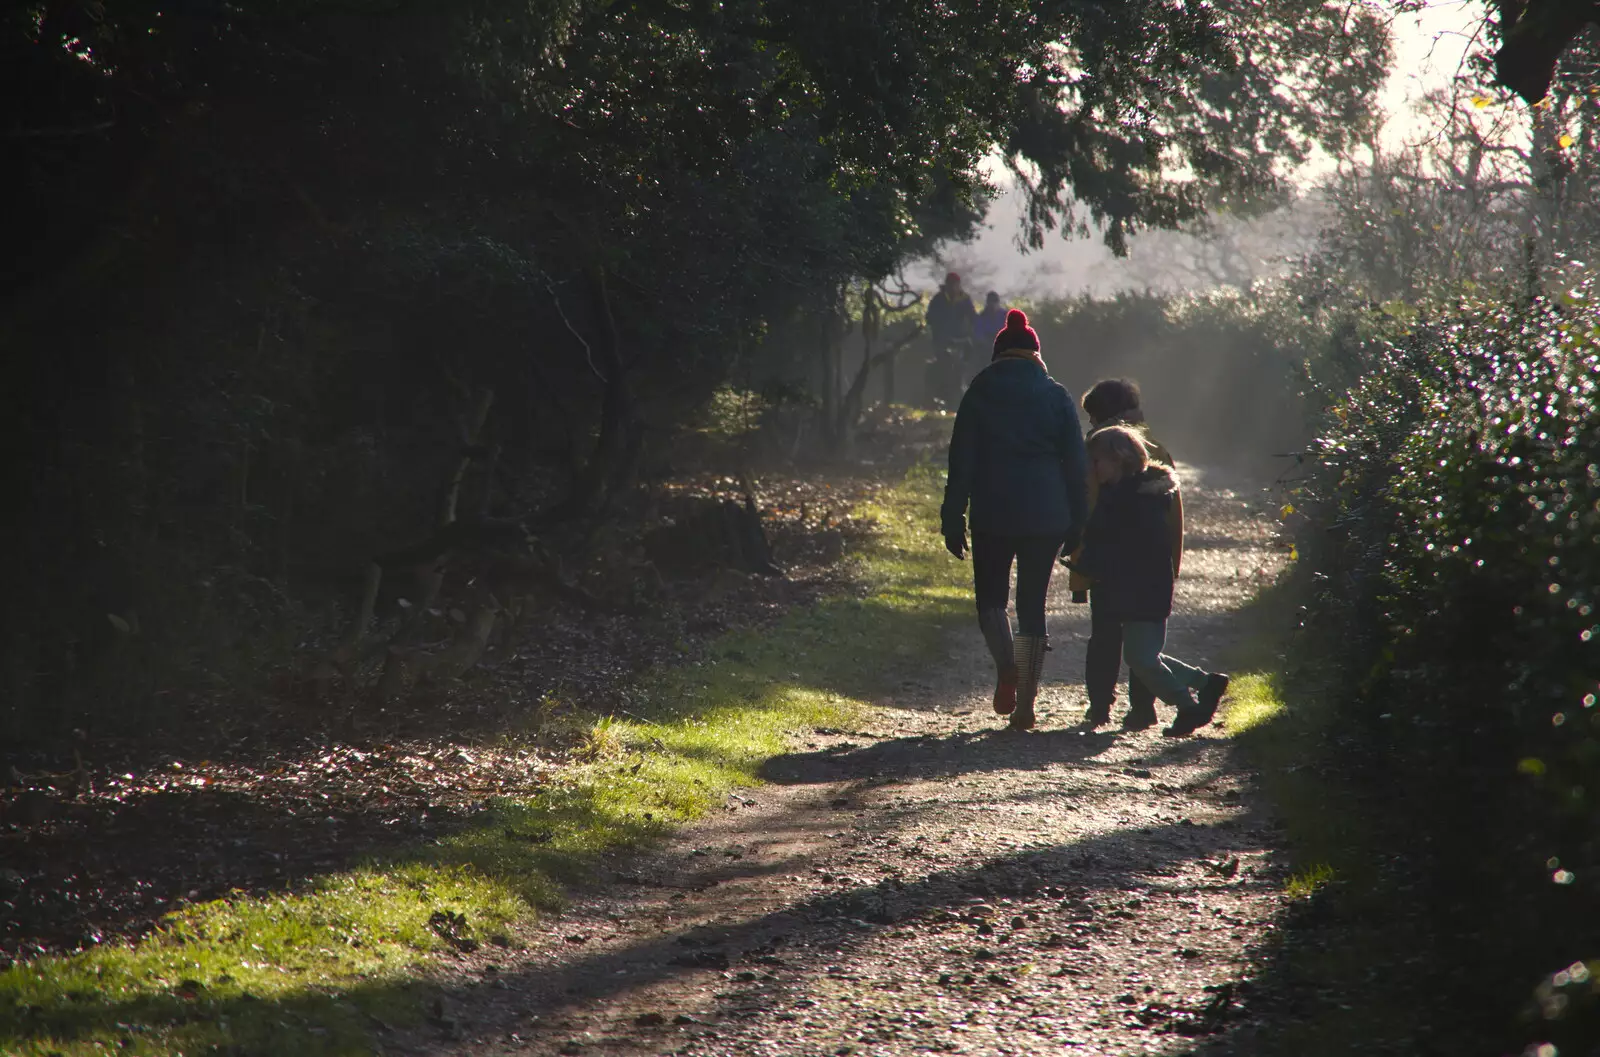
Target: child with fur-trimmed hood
[
  {"x": 1113, "y": 402},
  {"x": 1133, "y": 549}
]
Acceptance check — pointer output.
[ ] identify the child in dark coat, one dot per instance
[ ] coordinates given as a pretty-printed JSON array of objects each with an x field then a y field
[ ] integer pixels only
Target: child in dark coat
[
  {"x": 1113, "y": 402},
  {"x": 1133, "y": 549}
]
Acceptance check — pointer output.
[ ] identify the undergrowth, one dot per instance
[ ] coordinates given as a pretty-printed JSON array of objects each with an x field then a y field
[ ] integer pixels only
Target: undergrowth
[
  {"x": 1448, "y": 567},
  {"x": 1346, "y": 943},
  {"x": 1357, "y": 965},
  {"x": 317, "y": 970}
]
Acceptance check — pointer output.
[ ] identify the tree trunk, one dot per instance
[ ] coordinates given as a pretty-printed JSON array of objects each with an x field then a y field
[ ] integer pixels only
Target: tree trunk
[
  {"x": 843, "y": 429},
  {"x": 613, "y": 463},
  {"x": 828, "y": 377},
  {"x": 1545, "y": 172},
  {"x": 471, "y": 448}
]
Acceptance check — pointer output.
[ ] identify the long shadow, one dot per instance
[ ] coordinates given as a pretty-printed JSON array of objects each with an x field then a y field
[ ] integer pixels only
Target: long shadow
[
  {"x": 931, "y": 756},
  {"x": 963, "y": 753},
  {"x": 108, "y": 866},
  {"x": 1046, "y": 881},
  {"x": 240, "y": 843}
]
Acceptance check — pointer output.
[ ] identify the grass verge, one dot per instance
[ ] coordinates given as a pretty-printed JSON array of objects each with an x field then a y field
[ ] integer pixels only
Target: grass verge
[
  {"x": 1342, "y": 972},
  {"x": 317, "y": 970}
]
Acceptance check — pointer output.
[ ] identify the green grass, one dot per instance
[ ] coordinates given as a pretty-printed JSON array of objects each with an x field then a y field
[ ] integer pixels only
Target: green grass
[
  {"x": 1282, "y": 720},
  {"x": 315, "y": 971},
  {"x": 1348, "y": 951},
  {"x": 1305, "y": 883},
  {"x": 1280, "y": 710},
  {"x": 1253, "y": 700}
]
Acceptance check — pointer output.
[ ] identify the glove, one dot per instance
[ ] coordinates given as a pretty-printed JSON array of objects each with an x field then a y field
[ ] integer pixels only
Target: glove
[
  {"x": 955, "y": 536},
  {"x": 1070, "y": 545}
]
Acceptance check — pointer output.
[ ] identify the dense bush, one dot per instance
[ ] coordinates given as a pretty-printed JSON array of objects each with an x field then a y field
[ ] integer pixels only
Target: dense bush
[{"x": 1453, "y": 549}]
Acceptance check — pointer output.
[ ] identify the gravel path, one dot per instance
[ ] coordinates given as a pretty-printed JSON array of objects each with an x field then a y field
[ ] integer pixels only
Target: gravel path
[{"x": 926, "y": 884}]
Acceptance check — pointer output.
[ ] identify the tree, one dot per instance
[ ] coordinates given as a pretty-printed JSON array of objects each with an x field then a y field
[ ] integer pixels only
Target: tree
[
  {"x": 284, "y": 237},
  {"x": 1533, "y": 35}
]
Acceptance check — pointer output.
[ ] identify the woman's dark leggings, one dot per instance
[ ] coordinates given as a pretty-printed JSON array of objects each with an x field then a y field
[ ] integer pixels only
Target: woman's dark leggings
[{"x": 992, "y": 555}]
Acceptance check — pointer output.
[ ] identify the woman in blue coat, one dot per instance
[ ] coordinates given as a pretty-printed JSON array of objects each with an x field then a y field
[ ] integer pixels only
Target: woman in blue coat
[{"x": 1017, "y": 463}]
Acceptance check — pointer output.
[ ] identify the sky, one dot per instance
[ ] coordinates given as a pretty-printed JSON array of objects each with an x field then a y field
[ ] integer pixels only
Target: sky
[{"x": 1430, "y": 48}]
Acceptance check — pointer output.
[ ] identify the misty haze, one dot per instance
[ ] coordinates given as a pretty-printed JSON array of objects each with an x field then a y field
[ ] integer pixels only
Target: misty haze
[{"x": 842, "y": 528}]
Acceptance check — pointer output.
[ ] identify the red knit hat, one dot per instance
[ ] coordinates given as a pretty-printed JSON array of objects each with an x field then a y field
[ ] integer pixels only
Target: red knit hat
[{"x": 1016, "y": 334}]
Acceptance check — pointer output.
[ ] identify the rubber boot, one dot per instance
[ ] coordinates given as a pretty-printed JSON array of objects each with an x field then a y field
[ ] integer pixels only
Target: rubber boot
[
  {"x": 1030, "y": 650},
  {"x": 997, "y": 634}
]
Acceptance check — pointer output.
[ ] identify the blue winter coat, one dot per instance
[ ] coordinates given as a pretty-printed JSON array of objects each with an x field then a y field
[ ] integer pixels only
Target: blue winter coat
[
  {"x": 1017, "y": 455},
  {"x": 986, "y": 324}
]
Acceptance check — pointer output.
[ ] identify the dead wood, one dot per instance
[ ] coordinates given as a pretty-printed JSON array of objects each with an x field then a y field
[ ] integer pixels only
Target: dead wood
[
  {"x": 713, "y": 533},
  {"x": 850, "y": 405}
]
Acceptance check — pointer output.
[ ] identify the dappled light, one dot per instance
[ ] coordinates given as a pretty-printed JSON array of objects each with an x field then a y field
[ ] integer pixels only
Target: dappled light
[{"x": 848, "y": 528}]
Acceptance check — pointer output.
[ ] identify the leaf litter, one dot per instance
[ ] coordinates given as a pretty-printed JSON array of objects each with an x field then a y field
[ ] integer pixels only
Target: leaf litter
[{"x": 291, "y": 788}]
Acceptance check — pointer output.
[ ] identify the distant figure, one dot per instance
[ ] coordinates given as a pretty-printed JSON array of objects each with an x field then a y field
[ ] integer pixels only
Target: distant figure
[
  {"x": 949, "y": 318},
  {"x": 1017, "y": 458},
  {"x": 1113, "y": 402},
  {"x": 987, "y": 323},
  {"x": 1133, "y": 549}
]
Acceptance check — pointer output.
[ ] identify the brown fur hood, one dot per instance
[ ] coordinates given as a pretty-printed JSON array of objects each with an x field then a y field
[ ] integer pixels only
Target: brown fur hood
[{"x": 1157, "y": 480}]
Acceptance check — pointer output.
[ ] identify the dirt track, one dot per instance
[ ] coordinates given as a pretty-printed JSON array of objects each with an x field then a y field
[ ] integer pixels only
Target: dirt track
[{"x": 926, "y": 884}]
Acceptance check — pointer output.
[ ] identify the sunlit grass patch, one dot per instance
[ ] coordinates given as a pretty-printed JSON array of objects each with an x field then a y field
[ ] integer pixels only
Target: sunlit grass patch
[
  {"x": 315, "y": 971},
  {"x": 256, "y": 973},
  {"x": 1304, "y": 883},
  {"x": 1281, "y": 721},
  {"x": 1253, "y": 699}
]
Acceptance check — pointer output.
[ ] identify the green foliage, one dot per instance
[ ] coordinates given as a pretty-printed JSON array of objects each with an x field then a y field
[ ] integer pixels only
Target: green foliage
[
  {"x": 732, "y": 413},
  {"x": 1304, "y": 884},
  {"x": 1457, "y": 505},
  {"x": 311, "y": 971},
  {"x": 285, "y": 236}
]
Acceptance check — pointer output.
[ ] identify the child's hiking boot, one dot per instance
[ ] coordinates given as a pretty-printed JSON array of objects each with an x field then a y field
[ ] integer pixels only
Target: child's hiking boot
[
  {"x": 1190, "y": 719},
  {"x": 1210, "y": 695},
  {"x": 1141, "y": 704},
  {"x": 1141, "y": 716}
]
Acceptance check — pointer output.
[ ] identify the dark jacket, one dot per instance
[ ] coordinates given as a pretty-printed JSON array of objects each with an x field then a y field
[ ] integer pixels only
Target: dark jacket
[
  {"x": 1079, "y": 580},
  {"x": 950, "y": 318},
  {"x": 1017, "y": 455},
  {"x": 1133, "y": 546}
]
